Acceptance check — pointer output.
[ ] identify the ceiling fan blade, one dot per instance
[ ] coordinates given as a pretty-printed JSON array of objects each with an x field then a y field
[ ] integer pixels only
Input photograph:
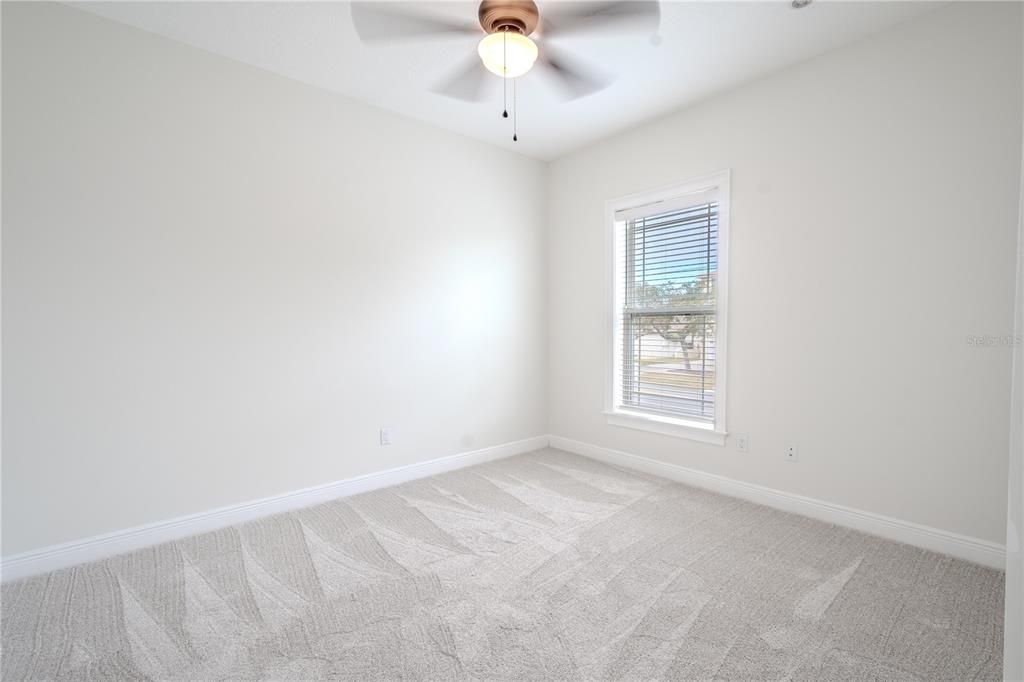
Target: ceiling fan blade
[
  {"x": 390, "y": 21},
  {"x": 465, "y": 82},
  {"x": 618, "y": 16},
  {"x": 575, "y": 78}
]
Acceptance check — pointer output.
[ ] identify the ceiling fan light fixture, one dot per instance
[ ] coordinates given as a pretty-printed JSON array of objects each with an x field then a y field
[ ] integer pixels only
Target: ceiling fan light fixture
[{"x": 508, "y": 54}]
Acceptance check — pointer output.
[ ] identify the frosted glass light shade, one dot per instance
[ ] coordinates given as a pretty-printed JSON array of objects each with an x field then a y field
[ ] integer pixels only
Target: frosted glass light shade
[{"x": 507, "y": 54}]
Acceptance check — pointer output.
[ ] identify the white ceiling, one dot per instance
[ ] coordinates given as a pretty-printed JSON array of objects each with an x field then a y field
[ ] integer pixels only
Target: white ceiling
[{"x": 701, "y": 48}]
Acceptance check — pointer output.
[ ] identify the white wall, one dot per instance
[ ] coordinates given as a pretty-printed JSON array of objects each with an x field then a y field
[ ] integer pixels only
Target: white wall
[
  {"x": 218, "y": 283},
  {"x": 874, "y": 213},
  {"x": 1013, "y": 649}
]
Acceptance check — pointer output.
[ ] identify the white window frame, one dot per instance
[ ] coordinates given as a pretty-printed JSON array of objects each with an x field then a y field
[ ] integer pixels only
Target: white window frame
[{"x": 615, "y": 414}]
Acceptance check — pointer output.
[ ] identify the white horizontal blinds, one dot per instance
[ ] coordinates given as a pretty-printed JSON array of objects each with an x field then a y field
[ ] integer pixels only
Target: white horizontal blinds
[
  {"x": 669, "y": 300},
  {"x": 697, "y": 198}
]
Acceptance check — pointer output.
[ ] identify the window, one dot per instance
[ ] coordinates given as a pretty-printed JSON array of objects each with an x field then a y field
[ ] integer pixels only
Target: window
[{"x": 668, "y": 309}]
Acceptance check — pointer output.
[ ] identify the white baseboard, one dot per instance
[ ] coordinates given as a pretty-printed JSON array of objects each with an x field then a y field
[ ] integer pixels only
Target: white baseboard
[
  {"x": 960, "y": 546},
  {"x": 110, "y": 544}
]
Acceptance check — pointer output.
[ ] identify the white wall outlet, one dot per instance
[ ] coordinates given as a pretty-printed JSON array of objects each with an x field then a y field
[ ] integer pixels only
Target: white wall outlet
[
  {"x": 791, "y": 453},
  {"x": 385, "y": 436},
  {"x": 742, "y": 442}
]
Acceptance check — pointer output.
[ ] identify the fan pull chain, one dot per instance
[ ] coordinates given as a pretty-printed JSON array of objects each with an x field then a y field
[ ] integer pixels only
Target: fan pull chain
[
  {"x": 515, "y": 110},
  {"x": 504, "y": 68}
]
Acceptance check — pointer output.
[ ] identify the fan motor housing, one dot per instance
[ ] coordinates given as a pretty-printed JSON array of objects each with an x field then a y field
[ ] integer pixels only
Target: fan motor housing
[{"x": 521, "y": 16}]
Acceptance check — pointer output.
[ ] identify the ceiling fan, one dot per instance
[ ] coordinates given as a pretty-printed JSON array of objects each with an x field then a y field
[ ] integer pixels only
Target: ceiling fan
[{"x": 515, "y": 38}]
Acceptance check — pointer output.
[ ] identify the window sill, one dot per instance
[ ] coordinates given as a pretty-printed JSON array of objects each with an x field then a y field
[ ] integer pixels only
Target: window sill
[{"x": 666, "y": 426}]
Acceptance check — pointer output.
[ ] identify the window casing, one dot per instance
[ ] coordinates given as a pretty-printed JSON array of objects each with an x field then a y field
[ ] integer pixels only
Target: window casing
[{"x": 668, "y": 295}]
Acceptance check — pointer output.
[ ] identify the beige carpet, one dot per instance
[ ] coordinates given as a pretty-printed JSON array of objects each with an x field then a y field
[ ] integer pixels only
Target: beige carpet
[{"x": 542, "y": 566}]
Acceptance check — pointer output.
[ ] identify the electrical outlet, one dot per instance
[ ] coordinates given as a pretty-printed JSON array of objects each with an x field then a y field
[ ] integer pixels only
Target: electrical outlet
[
  {"x": 742, "y": 442},
  {"x": 791, "y": 453},
  {"x": 385, "y": 436}
]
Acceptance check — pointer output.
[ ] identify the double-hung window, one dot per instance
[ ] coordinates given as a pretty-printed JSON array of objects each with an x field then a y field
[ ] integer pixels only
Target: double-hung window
[{"x": 668, "y": 309}]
